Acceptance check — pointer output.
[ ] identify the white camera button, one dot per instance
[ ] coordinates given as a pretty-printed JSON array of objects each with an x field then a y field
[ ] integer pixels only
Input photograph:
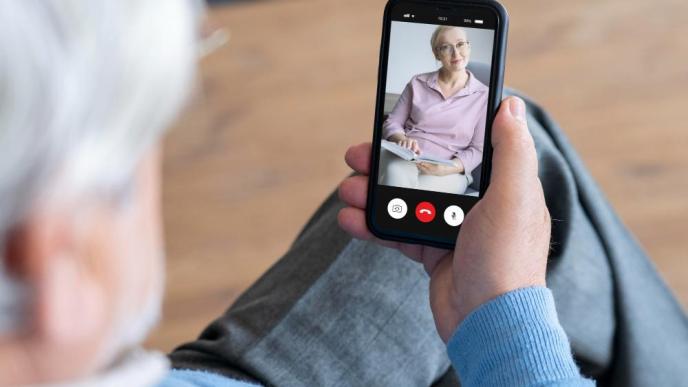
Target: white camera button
[{"x": 397, "y": 208}]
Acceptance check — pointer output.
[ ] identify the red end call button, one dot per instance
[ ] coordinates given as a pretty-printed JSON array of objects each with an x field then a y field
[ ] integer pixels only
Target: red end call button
[{"x": 425, "y": 212}]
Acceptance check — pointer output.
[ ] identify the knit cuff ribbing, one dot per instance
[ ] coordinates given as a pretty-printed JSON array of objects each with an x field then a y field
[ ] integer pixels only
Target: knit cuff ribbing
[{"x": 514, "y": 339}]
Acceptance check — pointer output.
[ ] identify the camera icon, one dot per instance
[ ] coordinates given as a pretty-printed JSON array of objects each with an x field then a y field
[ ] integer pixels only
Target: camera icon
[{"x": 397, "y": 208}]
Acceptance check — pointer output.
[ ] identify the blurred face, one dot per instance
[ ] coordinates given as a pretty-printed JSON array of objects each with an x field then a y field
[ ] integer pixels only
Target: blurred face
[
  {"x": 136, "y": 252},
  {"x": 94, "y": 268},
  {"x": 453, "y": 49},
  {"x": 128, "y": 260}
]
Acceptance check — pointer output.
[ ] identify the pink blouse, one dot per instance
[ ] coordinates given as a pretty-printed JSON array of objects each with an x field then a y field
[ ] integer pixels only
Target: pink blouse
[{"x": 444, "y": 127}]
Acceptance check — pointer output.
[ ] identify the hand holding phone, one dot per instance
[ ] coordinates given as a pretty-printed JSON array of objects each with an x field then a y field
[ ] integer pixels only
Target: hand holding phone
[{"x": 505, "y": 238}]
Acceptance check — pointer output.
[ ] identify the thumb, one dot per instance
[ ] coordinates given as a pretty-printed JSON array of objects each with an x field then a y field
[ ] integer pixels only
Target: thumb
[{"x": 514, "y": 161}]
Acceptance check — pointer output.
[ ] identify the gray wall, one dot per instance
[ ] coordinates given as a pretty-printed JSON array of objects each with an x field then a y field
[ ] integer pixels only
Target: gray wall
[{"x": 410, "y": 52}]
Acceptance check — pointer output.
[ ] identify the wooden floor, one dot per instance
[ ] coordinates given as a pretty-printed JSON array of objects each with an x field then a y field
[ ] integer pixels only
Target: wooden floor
[{"x": 263, "y": 142}]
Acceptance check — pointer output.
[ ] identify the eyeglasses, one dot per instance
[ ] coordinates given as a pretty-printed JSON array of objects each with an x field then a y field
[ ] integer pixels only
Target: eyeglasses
[
  {"x": 446, "y": 49},
  {"x": 211, "y": 40}
]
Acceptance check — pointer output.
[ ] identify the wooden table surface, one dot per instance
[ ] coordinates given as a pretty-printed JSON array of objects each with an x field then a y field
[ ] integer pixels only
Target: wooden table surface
[{"x": 263, "y": 142}]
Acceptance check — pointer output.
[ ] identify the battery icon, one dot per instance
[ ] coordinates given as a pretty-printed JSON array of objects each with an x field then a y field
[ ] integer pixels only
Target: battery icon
[{"x": 478, "y": 21}]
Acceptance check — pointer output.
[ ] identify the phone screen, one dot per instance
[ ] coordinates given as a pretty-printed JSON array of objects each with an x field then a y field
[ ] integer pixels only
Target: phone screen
[{"x": 435, "y": 95}]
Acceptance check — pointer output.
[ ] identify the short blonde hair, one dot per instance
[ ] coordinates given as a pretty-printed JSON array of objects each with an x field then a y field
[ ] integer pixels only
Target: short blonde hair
[{"x": 438, "y": 31}]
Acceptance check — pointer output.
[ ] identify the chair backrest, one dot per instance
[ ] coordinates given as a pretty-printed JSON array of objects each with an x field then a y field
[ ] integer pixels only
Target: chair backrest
[
  {"x": 476, "y": 177},
  {"x": 481, "y": 71}
]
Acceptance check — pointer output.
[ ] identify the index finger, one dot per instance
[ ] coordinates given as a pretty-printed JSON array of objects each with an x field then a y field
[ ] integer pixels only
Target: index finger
[{"x": 358, "y": 158}]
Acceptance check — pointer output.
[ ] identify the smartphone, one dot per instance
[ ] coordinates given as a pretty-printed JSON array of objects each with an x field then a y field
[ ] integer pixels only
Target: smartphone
[{"x": 439, "y": 84}]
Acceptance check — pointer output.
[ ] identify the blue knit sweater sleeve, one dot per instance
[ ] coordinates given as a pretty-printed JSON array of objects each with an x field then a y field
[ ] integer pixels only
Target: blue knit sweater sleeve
[
  {"x": 196, "y": 378},
  {"x": 514, "y": 340}
]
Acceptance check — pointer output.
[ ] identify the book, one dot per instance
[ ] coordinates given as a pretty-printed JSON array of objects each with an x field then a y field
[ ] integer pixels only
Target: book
[{"x": 410, "y": 155}]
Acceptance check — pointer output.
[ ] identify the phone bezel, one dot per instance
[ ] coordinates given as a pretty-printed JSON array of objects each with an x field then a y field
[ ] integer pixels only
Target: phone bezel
[{"x": 494, "y": 99}]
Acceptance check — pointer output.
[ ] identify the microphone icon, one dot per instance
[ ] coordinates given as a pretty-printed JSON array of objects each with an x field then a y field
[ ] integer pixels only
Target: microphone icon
[{"x": 453, "y": 215}]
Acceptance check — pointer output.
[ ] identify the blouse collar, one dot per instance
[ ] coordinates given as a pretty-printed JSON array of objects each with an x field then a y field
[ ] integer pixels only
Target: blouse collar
[{"x": 473, "y": 84}]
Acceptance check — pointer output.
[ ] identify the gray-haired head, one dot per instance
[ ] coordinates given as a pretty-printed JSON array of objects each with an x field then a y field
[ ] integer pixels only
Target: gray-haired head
[{"x": 85, "y": 88}]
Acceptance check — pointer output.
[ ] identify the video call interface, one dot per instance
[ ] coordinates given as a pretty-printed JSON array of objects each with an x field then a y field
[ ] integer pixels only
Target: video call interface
[{"x": 433, "y": 122}]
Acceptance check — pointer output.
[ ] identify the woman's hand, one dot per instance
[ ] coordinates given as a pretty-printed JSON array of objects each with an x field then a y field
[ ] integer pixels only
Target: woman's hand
[
  {"x": 438, "y": 169},
  {"x": 411, "y": 144},
  {"x": 405, "y": 142},
  {"x": 504, "y": 240}
]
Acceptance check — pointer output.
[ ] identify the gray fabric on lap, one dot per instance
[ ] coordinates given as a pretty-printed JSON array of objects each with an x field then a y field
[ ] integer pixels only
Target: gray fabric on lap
[{"x": 338, "y": 312}]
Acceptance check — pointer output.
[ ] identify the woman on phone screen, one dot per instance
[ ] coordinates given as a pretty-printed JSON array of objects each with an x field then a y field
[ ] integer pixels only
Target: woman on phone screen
[{"x": 440, "y": 114}]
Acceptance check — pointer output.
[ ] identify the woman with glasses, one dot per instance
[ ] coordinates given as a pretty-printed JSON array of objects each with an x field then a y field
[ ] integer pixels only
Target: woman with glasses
[{"x": 440, "y": 114}]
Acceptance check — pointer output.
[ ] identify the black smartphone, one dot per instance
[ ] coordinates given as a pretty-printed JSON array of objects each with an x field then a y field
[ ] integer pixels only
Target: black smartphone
[{"x": 439, "y": 84}]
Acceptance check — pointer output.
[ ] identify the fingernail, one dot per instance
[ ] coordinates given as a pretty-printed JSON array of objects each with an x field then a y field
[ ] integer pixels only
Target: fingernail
[{"x": 517, "y": 108}]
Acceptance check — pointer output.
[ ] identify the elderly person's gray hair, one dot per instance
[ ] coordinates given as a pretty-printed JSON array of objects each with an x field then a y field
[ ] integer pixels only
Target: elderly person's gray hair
[{"x": 86, "y": 87}]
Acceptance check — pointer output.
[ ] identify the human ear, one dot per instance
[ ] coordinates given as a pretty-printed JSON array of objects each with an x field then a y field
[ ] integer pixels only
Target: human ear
[
  {"x": 66, "y": 303},
  {"x": 65, "y": 318}
]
